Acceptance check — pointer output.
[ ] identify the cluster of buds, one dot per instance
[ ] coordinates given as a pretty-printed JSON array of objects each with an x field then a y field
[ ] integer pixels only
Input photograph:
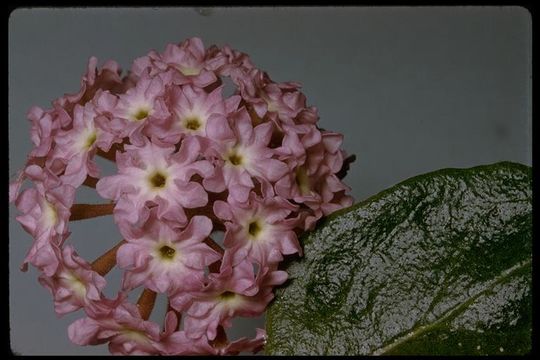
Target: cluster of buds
[{"x": 192, "y": 164}]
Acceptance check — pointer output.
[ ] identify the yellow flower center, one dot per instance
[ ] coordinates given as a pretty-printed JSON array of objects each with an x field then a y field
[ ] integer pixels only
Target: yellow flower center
[
  {"x": 141, "y": 113},
  {"x": 135, "y": 335},
  {"x": 189, "y": 71},
  {"x": 167, "y": 252},
  {"x": 302, "y": 180},
  {"x": 192, "y": 123},
  {"x": 227, "y": 295},
  {"x": 76, "y": 284},
  {"x": 91, "y": 139},
  {"x": 157, "y": 180},
  {"x": 231, "y": 300},
  {"x": 254, "y": 228},
  {"x": 50, "y": 216},
  {"x": 235, "y": 158}
]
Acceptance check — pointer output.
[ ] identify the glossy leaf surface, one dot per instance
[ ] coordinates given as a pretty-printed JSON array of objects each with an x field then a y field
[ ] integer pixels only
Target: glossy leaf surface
[{"x": 438, "y": 264}]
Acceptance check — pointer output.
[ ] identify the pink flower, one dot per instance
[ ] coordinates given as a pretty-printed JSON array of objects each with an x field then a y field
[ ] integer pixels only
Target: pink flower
[
  {"x": 227, "y": 60},
  {"x": 279, "y": 101},
  {"x": 269, "y": 276},
  {"x": 139, "y": 106},
  {"x": 178, "y": 343},
  {"x": 45, "y": 125},
  {"x": 21, "y": 176},
  {"x": 245, "y": 154},
  {"x": 75, "y": 284},
  {"x": 15, "y": 185},
  {"x": 185, "y": 61},
  {"x": 249, "y": 82},
  {"x": 76, "y": 147},
  {"x": 45, "y": 212},
  {"x": 106, "y": 78},
  {"x": 297, "y": 141},
  {"x": 165, "y": 259},
  {"x": 105, "y": 105},
  {"x": 231, "y": 63},
  {"x": 159, "y": 175},
  {"x": 122, "y": 327},
  {"x": 242, "y": 345},
  {"x": 196, "y": 112},
  {"x": 259, "y": 229},
  {"x": 175, "y": 342},
  {"x": 228, "y": 294},
  {"x": 313, "y": 181}
]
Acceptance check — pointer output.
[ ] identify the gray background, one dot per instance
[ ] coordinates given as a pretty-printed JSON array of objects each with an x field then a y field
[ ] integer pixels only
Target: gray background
[{"x": 413, "y": 89}]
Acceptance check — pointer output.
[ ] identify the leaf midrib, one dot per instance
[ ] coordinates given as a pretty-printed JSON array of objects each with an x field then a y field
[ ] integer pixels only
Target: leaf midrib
[{"x": 423, "y": 329}]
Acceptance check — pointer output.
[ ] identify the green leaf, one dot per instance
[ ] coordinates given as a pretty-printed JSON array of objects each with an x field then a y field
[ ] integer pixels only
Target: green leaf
[{"x": 438, "y": 264}]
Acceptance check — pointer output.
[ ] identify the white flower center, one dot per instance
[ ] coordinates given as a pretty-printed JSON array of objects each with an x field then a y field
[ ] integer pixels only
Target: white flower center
[{"x": 272, "y": 106}]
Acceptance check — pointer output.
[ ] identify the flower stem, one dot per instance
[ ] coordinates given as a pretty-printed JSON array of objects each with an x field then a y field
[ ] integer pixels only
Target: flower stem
[
  {"x": 255, "y": 119},
  {"x": 39, "y": 161},
  {"x": 90, "y": 182},
  {"x": 146, "y": 303},
  {"x": 214, "y": 267},
  {"x": 213, "y": 86},
  {"x": 103, "y": 264},
  {"x": 214, "y": 245},
  {"x": 221, "y": 338},
  {"x": 87, "y": 211},
  {"x": 345, "y": 167},
  {"x": 109, "y": 155}
]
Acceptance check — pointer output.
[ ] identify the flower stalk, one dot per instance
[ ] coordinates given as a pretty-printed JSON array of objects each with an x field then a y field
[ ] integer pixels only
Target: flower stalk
[
  {"x": 146, "y": 303},
  {"x": 88, "y": 211},
  {"x": 104, "y": 264}
]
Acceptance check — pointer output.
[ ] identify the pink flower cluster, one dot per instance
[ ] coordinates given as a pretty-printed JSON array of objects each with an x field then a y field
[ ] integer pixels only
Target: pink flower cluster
[{"x": 192, "y": 163}]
